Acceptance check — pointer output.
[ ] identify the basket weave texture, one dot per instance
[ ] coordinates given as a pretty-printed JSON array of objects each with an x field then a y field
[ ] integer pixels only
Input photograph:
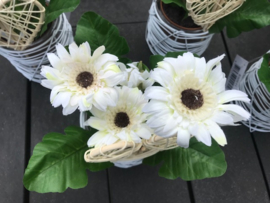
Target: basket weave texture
[
  {"x": 20, "y": 22},
  {"x": 206, "y": 12},
  {"x": 129, "y": 151}
]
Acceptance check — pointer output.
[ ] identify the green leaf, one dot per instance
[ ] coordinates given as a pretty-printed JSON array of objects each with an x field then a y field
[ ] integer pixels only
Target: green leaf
[
  {"x": 196, "y": 162},
  {"x": 253, "y": 14},
  {"x": 124, "y": 60},
  {"x": 55, "y": 9},
  {"x": 97, "y": 31},
  {"x": 179, "y": 3},
  {"x": 154, "y": 59},
  {"x": 264, "y": 72},
  {"x": 58, "y": 162}
]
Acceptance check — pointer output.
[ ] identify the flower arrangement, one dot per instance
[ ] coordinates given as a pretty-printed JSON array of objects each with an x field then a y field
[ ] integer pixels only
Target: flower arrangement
[{"x": 169, "y": 114}]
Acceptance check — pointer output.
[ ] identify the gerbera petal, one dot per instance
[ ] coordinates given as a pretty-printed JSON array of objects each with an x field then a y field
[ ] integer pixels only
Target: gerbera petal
[
  {"x": 62, "y": 53},
  {"x": 166, "y": 66},
  {"x": 183, "y": 137},
  {"x": 200, "y": 67},
  {"x": 155, "y": 106},
  {"x": 67, "y": 96},
  {"x": 100, "y": 100},
  {"x": 97, "y": 53},
  {"x": 161, "y": 76},
  {"x": 55, "y": 61},
  {"x": 235, "y": 109},
  {"x": 73, "y": 50},
  {"x": 96, "y": 123},
  {"x": 104, "y": 58},
  {"x": 75, "y": 100},
  {"x": 154, "y": 122},
  {"x": 211, "y": 64},
  {"x": 144, "y": 131},
  {"x": 60, "y": 98},
  {"x": 69, "y": 109},
  {"x": 216, "y": 132},
  {"x": 201, "y": 133},
  {"x": 96, "y": 138},
  {"x": 158, "y": 93},
  {"x": 232, "y": 95},
  {"x": 189, "y": 61},
  {"x": 223, "y": 118},
  {"x": 85, "y": 49},
  {"x": 170, "y": 124}
]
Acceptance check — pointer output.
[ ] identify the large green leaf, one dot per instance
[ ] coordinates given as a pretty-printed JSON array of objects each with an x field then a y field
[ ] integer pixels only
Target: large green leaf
[
  {"x": 55, "y": 9},
  {"x": 196, "y": 162},
  {"x": 264, "y": 72},
  {"x": 253, "y": 14},
  {"x": 58, "y": 162},
  {"x": 180, "y": 3},
  {"x": 98, "y": 31}
]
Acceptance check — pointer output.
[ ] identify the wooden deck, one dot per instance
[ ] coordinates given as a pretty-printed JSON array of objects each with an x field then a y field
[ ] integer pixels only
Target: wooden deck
[{"x": 26, "y": 116}]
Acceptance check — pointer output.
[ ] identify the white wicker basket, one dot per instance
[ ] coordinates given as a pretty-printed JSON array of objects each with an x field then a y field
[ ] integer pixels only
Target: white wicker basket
[
  {"x": 162, "y": 37},
  {"x": 29, "y": 61},
  {"x": 259, "y": 106}
]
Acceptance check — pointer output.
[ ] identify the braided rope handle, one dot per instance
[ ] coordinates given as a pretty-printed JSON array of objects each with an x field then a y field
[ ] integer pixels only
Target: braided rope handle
[
  {"x": 18, "y": 28},
  {"x": 127, "y": 151},
  {"x": 206, "y": 12}
]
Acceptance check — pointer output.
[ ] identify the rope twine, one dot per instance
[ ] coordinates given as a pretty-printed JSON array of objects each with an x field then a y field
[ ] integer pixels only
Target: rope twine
[
  {"x": 259, "y": 107},
  {"x": 206, "y": 12},
  {"x": 20, "y": 22},
  {"x": 29, "y": 61},
  {"x": 162, "y": 37},
  {"x": 127, "y": 151}
]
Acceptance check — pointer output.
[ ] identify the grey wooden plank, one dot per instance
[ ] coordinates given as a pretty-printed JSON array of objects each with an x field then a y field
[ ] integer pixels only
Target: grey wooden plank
[
  {"x": 45, "y": 119},
  {"x": 263, "y": 143},
  {"x": 12, "y": 132},
  {"x": 243, "y": 181},
  {"x": 252, "y": 45},
  {"x": 116, "y": 11},
  {"x": 142, "y": 183}
]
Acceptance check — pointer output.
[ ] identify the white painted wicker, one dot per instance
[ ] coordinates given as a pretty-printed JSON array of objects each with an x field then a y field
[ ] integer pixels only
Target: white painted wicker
[
  {"x": 259, "y": 106},
  {"x": 162, "y": 37},
  {"x": 29, "y": 61}
]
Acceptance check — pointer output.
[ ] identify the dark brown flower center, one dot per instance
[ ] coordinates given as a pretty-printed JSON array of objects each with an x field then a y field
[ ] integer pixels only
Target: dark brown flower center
[
  {"x": 85, "y": 79},
  {"x": 193, "y": 99},
  {"x": 121, "y": 120}
]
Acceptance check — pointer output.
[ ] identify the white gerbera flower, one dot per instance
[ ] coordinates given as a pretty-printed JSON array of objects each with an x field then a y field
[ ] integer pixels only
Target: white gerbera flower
[
  {"x": 191, "y": 100},
  {"x": 81, "y": 80},
  {"x": 125, "y": 121},
  {"x": 136, "y": 77}
]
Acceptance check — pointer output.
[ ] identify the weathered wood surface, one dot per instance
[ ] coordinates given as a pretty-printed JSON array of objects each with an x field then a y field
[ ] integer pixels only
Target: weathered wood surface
[
  {"x": 13, "y": 97},
  {"x": 248, "y": 169}
]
